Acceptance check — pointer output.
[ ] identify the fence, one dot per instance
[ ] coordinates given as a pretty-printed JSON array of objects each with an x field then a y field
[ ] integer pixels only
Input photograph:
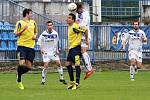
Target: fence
[
  {"x": 99, "y": 47},
  {"x": 12, "y": 12}
]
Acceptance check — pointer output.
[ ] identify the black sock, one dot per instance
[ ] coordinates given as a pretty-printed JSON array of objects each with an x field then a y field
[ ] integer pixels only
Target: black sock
[
  {"x": 19, "y": 71},
  {"x": 70, "y": 71},
  {"x": 78, "y": 73}
]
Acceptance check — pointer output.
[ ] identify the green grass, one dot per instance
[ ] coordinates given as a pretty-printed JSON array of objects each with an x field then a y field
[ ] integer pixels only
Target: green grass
[{"x": 100, "y": 86}]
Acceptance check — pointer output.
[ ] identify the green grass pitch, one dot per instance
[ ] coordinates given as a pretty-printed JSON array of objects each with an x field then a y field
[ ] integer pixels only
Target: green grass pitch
[{"x": 100, "y": 86}]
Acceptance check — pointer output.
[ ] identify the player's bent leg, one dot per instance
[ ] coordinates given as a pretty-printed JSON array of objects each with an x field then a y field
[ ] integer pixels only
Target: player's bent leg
[
  {"x": 44, "y": 71},
  {"x": 87, "y": 62},
  {"x": 78, "y": 74},
  {"x": 139, "y": 65},
  {"x": 71, "y": 74},
  {"x": 60, "y": 71},
  {"x": 132, "y": 69},
  {"x": 20, "y": 71}
]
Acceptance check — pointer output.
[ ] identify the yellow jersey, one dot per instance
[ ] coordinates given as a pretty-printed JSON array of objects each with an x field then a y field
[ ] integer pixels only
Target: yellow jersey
[
  {"x": 25, "y": 39},
  {"x": 74, "y": 35}
]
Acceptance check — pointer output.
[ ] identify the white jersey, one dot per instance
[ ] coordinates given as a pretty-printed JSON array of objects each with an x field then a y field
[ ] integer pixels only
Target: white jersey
[
  {"x": 49, "y": 41},
  {"x": 84, "y": 20},
  {"x": 135, "y": 40}
]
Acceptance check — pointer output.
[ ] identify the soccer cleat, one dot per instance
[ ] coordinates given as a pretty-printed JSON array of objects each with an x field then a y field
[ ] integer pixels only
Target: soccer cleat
[
  {"x": 88, "y": 73},
  {"x": 132, "y": 79},
  {"x": 42, "y": 83},
  {"x": 20, "y": 85},
  {"x": 77, "y": 85},
  {"x": 63, "y": 81},
  {"x": 72, "y": 85}
]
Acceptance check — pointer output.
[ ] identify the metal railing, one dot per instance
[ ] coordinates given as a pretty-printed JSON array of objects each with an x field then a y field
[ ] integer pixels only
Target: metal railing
[
  {"x": 12, "y": 12},
  {"x": 99, "y": 48}
]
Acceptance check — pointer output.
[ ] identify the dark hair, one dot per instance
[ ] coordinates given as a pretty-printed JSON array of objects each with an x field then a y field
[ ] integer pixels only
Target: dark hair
[
  {"x": 29, "y": 10},
  {"x": 26, "y": 11},
  {"x": 49, "y": 22},
  {"x": 79, "y": 5},
  {"x": 73, "y": 16},
  {"x": 136, "y": 21}
]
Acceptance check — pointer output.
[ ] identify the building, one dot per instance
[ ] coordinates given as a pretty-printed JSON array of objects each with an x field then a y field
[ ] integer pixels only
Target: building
[{"x": 124, "y": 11}]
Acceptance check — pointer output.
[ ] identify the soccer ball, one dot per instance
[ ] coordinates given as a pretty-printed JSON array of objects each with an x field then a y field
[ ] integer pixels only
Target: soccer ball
[{"x": 72, "y": 7}]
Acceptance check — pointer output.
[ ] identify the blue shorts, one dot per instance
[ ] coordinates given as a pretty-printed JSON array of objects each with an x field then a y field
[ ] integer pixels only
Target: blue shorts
[
  {"x": 25, "y": 53},
  {"x": 74, "y": 55}
]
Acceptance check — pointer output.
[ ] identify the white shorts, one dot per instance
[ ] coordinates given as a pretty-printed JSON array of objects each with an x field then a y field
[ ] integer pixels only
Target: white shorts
[
  {"x": 48, "y": 58},
  {"x": 134, "y": 54}
]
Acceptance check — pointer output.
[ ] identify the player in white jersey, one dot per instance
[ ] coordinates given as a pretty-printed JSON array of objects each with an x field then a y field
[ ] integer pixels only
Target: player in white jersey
[
  {"x": 83, "y": 18},
  {"x": 135, "y": 39},
  {"x": 48, "y": 43}
]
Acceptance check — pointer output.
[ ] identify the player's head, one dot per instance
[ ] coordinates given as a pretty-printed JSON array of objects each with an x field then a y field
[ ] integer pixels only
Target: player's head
[
  {"x": 79, "y": 7},
  {"x": 30, "y": 13},
  {"x": 136, "y": 25},
  {"x": 27, "y": 13},
  {"x": 71, "y": 19},
  {"x": 49, "y": 25}
]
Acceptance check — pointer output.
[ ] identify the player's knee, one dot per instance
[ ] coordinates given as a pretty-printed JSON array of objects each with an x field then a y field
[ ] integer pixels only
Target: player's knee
[
  {"x": 139, "y": 64},
  {"x": 22, "y": 62},
  {"x": 83, "y": 50},
  {"x": 58, "y": 63},
  {"x": 45, "y": 65},
  {"x": 68, "y": 63},
  {"x": 133, "y": 63}
]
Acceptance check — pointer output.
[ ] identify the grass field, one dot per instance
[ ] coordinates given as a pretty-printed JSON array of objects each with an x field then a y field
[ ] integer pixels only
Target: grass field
[{"x": 100, "y": 86}]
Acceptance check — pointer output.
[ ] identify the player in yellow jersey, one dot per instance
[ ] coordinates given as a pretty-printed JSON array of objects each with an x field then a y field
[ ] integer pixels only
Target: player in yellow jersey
[
  {"x": 26, "y": 30},
  {"x": 74, "y": 38}
]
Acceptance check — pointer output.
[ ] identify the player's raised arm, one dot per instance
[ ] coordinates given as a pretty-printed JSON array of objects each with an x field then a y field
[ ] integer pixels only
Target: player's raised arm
[{"x": 35, "y": 32}]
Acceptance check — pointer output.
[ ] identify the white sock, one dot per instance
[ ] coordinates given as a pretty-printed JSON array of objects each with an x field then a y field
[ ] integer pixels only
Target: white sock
[
  {"x": 44, "y": 75},
  {"x": 87, "y": 61},
  {"x": 60, "y": 71},
  {"x": 132, "y": 71}
]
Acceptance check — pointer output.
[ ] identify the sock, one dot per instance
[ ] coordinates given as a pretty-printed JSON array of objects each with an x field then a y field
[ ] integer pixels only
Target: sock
[
  {"x": 87, "y": 61},
  {"x": 19, "y": 71},
  {"x": 78, "y": 73},
  {"x": 44, "y": 75},
  {"x": 70, "y": 71},
  {"x": 60, "y": 71},
  {"x": 132, "y": 71}
]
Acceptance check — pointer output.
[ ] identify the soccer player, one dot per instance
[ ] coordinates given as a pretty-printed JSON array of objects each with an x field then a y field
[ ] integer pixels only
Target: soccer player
[
  {"x": 135, "y": 39},
  {"x": 74, "y": 55},
  {"x": 26, "y": 30},
  {"x": 83, "y": 18},
  {"x": 48, "y": 43}
]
